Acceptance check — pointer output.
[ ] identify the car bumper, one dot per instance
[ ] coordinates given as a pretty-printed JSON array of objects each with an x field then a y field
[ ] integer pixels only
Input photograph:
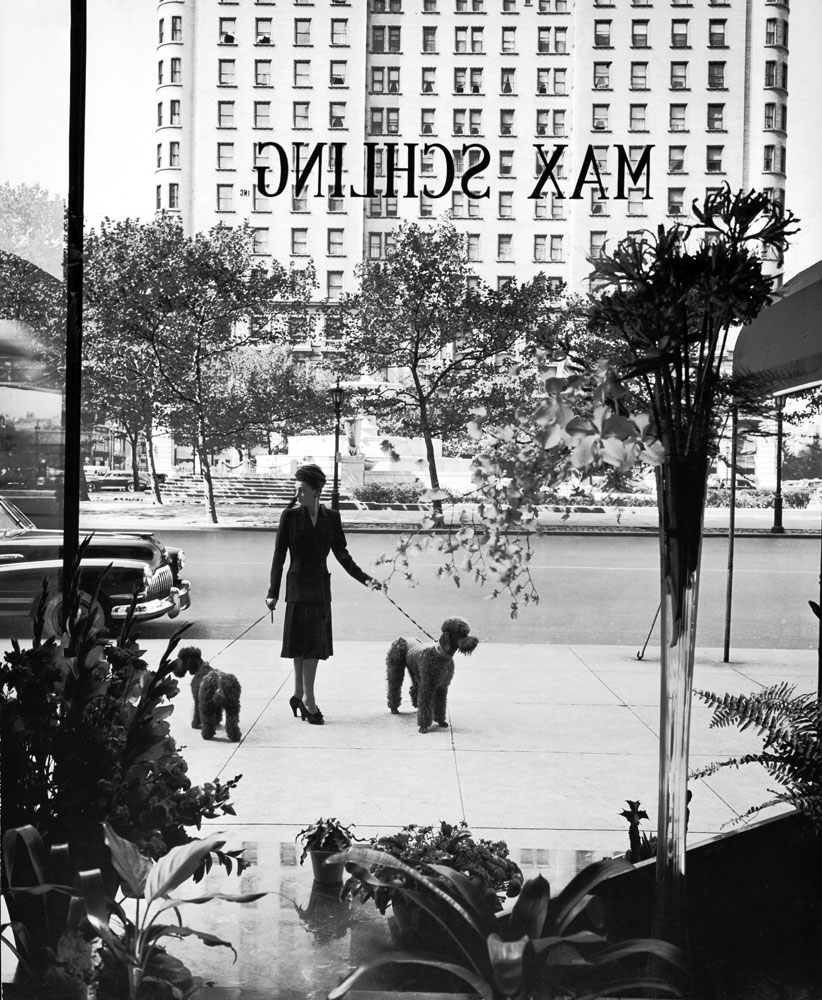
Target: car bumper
[{"x": 178, "y": 600}]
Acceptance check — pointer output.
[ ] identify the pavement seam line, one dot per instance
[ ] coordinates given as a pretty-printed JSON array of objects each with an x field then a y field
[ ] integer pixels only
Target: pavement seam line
[{"x": 456, "y": 766}]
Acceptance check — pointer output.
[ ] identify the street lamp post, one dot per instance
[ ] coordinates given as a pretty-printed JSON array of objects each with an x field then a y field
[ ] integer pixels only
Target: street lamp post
[
  {"x": 337, "y": 393},
  {"x": 777, "y": 528}
]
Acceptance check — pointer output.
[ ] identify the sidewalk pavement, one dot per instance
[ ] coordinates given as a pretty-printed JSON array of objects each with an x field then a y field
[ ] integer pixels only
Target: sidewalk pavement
[
  {"x": 142, "y": 512},
  {"x": 545, "y": 746}
]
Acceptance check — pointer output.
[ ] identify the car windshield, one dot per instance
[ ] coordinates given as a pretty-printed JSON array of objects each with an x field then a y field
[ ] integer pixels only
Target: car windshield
[{"x": 11, "y": 520}]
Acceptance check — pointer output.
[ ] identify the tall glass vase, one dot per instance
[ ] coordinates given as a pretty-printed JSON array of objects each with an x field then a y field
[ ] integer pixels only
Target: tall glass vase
[{"x": 681, "y": 488}]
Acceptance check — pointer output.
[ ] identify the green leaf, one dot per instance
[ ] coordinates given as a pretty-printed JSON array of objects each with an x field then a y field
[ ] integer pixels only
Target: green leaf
[
  {"x": 572, "y": 898},
  {"x": 531, "y": 908},
  {"x": 179, "y": 865},
  {"x": 132, "y": 866},
  {"x": 482, "y": 986}
]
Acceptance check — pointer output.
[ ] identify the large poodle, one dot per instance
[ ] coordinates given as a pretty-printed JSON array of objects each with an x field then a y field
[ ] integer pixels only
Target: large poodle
[
  {"x": 431, "y": 667},
  {"x": 214, "y": 692}
]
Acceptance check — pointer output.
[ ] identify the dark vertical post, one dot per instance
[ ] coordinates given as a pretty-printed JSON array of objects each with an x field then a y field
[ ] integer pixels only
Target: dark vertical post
[
  {"x": 729, "y": 586},
  {"x": 777, "y": 528},
  {"x": 74, "y": 288},
  {"x": 336, "y": 399}
]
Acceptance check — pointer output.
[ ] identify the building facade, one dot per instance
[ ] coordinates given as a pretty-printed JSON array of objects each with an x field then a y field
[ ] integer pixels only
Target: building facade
[{"x": 544, "y": 127}]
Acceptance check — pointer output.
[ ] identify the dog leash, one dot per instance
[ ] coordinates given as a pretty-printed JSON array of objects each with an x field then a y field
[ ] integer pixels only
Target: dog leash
[
  {"x": 250, "y": 627},
  {"x": 433, "y": 638}
]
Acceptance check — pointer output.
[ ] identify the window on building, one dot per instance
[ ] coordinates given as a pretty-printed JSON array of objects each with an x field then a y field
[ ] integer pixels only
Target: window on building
[
  {"x": 560, "y": 81},
  {"x": 508, "y": 41},
  {"x": 716, "y": 75},
  {"x": 174, "y": 113},
  {"x": 776, "y": 74},
  {"x": 676, "y": 201},
  {"x": 225, "y": 114},
  {"x": 776, "y": 32},
  {"x": 776, "y": 116},
  {"x": 774, "y": 159},
  {"x": 559, "y": 123},
  {"x": 335, "y": 242},
  {"x": 602, "y": 75},
  {"x": 636, "y": 204},
  {"x": 427, "y": 121},
  {"x": 679, "y": 34},
  {"x": 638, "y": 118},
  {"x": 159, "y": 113},
  {"x": 474, "y": 208},
  {"x": 601, "y": 117},
  {"x": 543, "y": 39},
  {"x": 336, "y": 114},
  {"x": 716, "y": 33},
  {"x": 506, "y": 205},
  {"x": 679, "y": 76},
  {"x": 300, "y": 114},
  {"x": 299, "y": 242},
  {"x": 596, "y": 243},
  {"x": 339, "y": 31},
  {"x": 302, "y": 72},
  {"x": 458, "y": 121},
  {"x": 263, "y": 30},
  {"x": 159, "y": 155},
  {"x": 174, "y": 195},
  {"x": 260, "y": 240},
  {"x": 602, "y": 34},
  {"x": 506, "y": 163},
  {"x": 541, "y": 207},
  {"x": 458, "y": 204},
  {"x": 335, "y": 203},
  {"x": 677, "y": 118},
  {"x": 176, "y": 29},
  {"x": 174, "y": 154},
  {"x": 429, "y": 80},
  {"x": 225, "y": 197},
  {"x": 176, "y": 70},
  {"x": 716, "y": 118},
  {"x": 505, "y": 249},
  {"x": 713, "y": 159},
  {"x": 543, "y": 80},
  {"x": 299, "y": 202},
  {"x": 160, "y": 39},
  {"x": 639, "y": 34},
  {"x": 601, "y": 157},
  {"x": 639, "y": 76},
  {"x": 676, "y": 159},
  {"x": 302, "y": 31},
  {"x": 506, "y": 122},
  {"x": 472, "y": 246},
  {"x": 429, "y": 6},
  {"x": 555, "y": 249},
  {"x": 543, "y": 122},
  {"x": 334, "y": 285},
  {"x": 374, "y": 246},
  {"x": 475, "y": 122},
  {"x": 507, "y": 83},
  {"x": 599, "y": 204},
  {"x": 225, "y": 155},
  {"x": 160, "y": 73},
  {"x": 338, "y": 72},
  {"x": 560, "y": 40},
  {"x": 426, "y": 206},
  {"x": 262, "y": 114},
  {"x": 227, "y": 30},
  {"x": 540, "y": 248}
]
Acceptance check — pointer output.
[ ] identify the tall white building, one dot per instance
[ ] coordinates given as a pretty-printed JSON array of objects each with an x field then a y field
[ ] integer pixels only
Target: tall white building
[{"x": 702, "y": 86}]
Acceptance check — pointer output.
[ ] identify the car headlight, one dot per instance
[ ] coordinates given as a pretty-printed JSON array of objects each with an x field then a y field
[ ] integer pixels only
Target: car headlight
[
  {"x": 181, "y": 558},
  {"x": 147, "y": 575}
]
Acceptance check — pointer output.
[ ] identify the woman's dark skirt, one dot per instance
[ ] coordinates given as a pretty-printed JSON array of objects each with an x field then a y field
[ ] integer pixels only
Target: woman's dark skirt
[{"x": 307, "y": 631}]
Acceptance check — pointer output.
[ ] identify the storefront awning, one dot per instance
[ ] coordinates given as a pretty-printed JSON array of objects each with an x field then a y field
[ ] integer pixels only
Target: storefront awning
[{"x": 783, "y": 345}]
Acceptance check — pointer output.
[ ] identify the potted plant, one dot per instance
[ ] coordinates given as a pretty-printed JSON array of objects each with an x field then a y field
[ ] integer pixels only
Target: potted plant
[{"x": 319, "y": 841}]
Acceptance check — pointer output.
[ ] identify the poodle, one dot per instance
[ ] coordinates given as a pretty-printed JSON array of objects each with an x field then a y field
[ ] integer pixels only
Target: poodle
[
  {"x": 213, "y": 691},
  {"x": 431, "y": 667}
]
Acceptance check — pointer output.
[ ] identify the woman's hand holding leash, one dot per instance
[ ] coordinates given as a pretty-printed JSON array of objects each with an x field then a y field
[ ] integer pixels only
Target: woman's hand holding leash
[{"x": 271, "y": 604}]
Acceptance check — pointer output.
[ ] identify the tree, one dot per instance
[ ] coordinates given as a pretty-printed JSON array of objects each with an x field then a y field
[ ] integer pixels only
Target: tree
[
  {"x": 420, "y": 312},
  {"x": 32, "y": 224},
  {"x": 193, "y": 302},
  {"x": 805, "y": 463}
]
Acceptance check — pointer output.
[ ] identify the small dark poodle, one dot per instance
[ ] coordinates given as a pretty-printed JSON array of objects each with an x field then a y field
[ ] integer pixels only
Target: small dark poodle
[
  {"x": 213, "y": 692},
  {"x": 431, "y": 667}
]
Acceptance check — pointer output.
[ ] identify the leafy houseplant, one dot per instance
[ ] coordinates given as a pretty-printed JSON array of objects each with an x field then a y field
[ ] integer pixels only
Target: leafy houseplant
[
  {"x": 484, "y": 862},
  {"x": 540, "y": 948},
  {"x": 319, "y": 841},
  {"x": 790, "y": 724},
  {"x": 86, "y": 740}
]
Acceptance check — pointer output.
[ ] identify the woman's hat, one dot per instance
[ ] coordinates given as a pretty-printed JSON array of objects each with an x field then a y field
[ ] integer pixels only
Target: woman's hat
[{"x": 311, "y": 474}]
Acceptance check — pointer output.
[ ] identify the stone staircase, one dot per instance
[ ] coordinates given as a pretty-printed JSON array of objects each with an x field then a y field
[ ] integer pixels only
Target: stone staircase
[{"x": 252, "y": 491}]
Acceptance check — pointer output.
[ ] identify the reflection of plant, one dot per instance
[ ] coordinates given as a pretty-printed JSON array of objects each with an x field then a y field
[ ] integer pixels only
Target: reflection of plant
[
  {"x": 538, "y": 949},
  {"x": 484, "y": 862},
  {"x": 324, "y": 835},
  {"x": 791, "y": 752},
  {"x": 326, "y": 917},
  {"x": 131, "y": 953}
]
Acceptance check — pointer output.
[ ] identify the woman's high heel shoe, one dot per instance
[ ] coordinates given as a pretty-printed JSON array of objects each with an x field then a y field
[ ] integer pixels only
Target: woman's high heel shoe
[
  {"x": 314, "y": 718},
  {"x": 297, "y": 705}
]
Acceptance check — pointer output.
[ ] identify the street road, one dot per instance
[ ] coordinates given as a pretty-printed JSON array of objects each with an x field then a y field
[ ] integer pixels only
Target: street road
[{"x": 594, "y": 589}]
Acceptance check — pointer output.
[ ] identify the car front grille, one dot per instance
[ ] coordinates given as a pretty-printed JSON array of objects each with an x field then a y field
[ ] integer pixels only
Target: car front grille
[{"x": 160, "y": 585}]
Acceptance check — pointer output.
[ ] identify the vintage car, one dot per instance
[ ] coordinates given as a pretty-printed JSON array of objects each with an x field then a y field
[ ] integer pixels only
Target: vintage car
[
  {"x": 115, "y": 480},
  {"x": 123, "y": 562}
]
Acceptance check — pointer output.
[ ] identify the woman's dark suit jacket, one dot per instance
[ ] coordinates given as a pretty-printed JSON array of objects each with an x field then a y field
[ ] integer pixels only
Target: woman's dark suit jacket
[{"x": 308, "y": 580}]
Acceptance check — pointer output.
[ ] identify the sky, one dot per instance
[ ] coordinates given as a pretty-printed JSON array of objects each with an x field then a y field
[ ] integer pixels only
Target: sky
[{"x": 120, "y": 143}]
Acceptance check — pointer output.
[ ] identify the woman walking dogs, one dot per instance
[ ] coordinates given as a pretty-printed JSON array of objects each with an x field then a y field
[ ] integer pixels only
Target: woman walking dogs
[{"x": 308, "y": 531}]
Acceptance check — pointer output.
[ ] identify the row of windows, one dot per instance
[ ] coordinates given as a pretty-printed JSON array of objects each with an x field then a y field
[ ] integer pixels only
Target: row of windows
[
  {"x": 680, "y": 34},
  {"x": 677, "y": 117},
  {"x": 678, "y": 78},
  {"x": 264, "y": 31},
  {"x": 176, "y": 33},
  {"x": 389, "y": 39},
  {"x": 175, "y": 74}
]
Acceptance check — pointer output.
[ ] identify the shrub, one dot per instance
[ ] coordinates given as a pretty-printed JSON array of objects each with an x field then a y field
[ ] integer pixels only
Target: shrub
[
  {"x": 389, "y": 492},
  {"x": 750, "y": 499}
]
